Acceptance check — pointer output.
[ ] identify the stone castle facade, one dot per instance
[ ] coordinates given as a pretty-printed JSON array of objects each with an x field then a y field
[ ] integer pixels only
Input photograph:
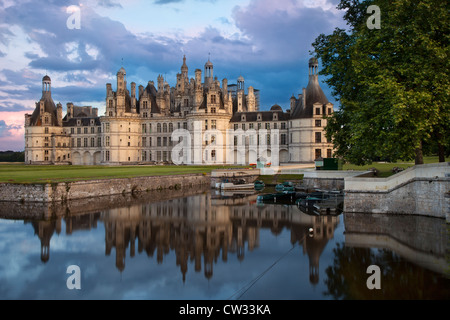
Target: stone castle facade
[{"x": 217, "y": 122}]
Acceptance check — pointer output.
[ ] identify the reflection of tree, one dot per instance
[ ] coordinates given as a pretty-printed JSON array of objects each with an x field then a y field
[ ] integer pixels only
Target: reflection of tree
[{"x": 400, "y": 279}]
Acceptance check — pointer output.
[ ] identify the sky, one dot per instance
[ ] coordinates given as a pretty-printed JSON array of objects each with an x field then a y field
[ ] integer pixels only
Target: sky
[{"x": 82, "y": 44}]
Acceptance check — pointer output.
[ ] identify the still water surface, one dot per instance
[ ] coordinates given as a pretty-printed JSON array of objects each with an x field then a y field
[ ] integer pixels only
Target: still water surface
[{"x": 202, "y": 245}]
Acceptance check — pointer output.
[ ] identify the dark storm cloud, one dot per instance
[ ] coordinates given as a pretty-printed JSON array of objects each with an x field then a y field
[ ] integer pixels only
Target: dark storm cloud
[{"x": 271, "y": 51}]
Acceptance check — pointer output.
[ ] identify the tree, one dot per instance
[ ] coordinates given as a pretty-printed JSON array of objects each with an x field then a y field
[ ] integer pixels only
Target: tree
[{"x": 392, "y": 83}]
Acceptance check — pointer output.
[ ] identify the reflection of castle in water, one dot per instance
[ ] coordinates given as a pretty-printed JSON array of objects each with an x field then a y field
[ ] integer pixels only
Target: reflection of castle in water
[
  {"x": 204, "y": 228},
  {"x": 201, "y": 229}
]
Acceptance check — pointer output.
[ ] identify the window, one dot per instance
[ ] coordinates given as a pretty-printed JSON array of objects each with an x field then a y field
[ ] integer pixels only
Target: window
[
  {"x": 107, "y": 156},
  {"x": 46, "y": 120},
  {"x": 85, "y": 142},
  {"x": 213, "y": 110},
  {"x": 243, "y": 126},
  {"x": 213, "y": 98},
  {"x": 250, "y": 126},
  {"x": 330, "y": 111},
  {"x": 275, "y": 125},
  {"x": 318, "y": 153},
  {"x": 99, "y": 142},
  {"x": 268, "y": 126},
  {"x": 78, "y": 130},
  {"x": 317, "y": 111},
  {"x": 158, "y": 127},
  {"x": 106, "y": 127},
  {"x": 236, "y": 126},
  {"x": 318, "y": 123},
  {"x": 72, "y": 130},
  {"x": 144, "y": 141},
  {"x": 213, "y": 124},
  {"x": 85, "y": 130},
  {"x": 206, "y": 124},
  {"x": 283, "y": 125},
  {"x": 107, "y": 142},
  {"x": 259, "y": 126},
  {"x": 329, "y": 153},
  {"x": 144, "y": 128},
  {"x": 165, "y": 127},
  {"x": 78, "y": 142},
  {"x": 283, "y": 138},
  {"x": 158, "y": 141},
  {"x": 92, "y": 142},
  {"x": 92, "y": 129},
  {"x": 185, "y": 126},
  {"x": 165, "y": 142},
  {"x": 144, "y": 155},
  {"x": 46, "y": 130},
  {"x": 318, "y": 137}
]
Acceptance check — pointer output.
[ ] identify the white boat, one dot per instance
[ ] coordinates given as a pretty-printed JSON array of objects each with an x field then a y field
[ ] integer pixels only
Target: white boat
[{"x": 236, "y": 185}]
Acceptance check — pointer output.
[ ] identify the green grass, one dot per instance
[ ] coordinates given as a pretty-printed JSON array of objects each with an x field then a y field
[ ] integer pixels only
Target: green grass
[
  {"x": 279, "y": 178},
  {"x": 385, "y": 169},
  {"x": 20, "y": 173}
]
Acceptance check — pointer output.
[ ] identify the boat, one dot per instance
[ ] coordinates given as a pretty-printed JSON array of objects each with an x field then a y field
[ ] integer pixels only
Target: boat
[
  {"x": 236, "y": 185},
  {"x": 259, "y": 185},
  {"x": 285, "y": 186}
]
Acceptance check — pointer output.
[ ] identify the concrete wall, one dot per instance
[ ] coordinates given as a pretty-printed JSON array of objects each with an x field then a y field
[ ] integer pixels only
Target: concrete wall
[
  {"x": 327, "y": 179},
  {"x": 420, "y": 190},
  {"x": 96, "y": 188}
]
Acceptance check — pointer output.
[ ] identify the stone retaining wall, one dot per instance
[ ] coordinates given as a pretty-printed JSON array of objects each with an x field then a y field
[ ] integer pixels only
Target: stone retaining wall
[
  {"x": 64, "y": 191},
  {"x": 419, "y": 190}
]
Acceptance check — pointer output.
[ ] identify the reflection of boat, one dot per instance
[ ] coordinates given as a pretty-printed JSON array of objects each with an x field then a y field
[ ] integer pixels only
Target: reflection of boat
[
  {"x": 236, "y": 185},
  {"x": 278, "y": 197}
]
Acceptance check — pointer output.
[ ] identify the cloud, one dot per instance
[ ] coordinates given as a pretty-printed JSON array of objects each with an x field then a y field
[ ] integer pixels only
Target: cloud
[
  {"x": 109, "y": 4},
  {"x": 162, "y": 2}
]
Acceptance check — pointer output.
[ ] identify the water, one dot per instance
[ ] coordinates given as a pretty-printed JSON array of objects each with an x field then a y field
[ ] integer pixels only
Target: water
[{"x": 196, "y": 245}]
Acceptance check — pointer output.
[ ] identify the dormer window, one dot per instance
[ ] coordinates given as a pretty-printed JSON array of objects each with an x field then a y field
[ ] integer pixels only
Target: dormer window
[
  {"x": 275, "y": 116},
  {"x": 243, "y": 119},
  {"x": 259, "y": 117}
]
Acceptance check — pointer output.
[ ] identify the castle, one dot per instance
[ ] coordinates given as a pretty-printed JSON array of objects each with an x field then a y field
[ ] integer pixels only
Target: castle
[{"x": 212, "y": 123}]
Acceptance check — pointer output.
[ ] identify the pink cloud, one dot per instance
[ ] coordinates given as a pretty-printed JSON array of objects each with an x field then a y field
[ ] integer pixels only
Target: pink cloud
[{"x": 12, "y": 130}]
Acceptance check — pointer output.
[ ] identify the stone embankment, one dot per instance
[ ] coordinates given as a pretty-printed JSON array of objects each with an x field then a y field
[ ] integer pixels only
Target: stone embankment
[
  {"x": 419, "y": 190},
  {"x": 64, "y": 191}
]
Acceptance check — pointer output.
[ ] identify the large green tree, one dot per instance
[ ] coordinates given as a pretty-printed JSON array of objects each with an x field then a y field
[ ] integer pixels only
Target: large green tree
[{"x": 392, "y": 82}]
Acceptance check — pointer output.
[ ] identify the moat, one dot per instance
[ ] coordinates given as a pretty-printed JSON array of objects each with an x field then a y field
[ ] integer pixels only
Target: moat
[{"x": 201, "y": 244}]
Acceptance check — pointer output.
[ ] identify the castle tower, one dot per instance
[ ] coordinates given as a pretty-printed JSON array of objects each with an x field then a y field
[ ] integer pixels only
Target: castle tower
[
  {"x": 121, "y": 91},
  {"x": 46, "y": 85},
  {"x": 184, "y": 68},
  {"x": 209, "y": 73}
]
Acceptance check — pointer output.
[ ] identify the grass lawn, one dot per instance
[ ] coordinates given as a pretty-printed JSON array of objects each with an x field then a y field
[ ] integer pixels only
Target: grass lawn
[
  {"x": 279, "y": 178},
  {"x": 385, "y": 168},
  {"x": 20, "y": 173}
]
